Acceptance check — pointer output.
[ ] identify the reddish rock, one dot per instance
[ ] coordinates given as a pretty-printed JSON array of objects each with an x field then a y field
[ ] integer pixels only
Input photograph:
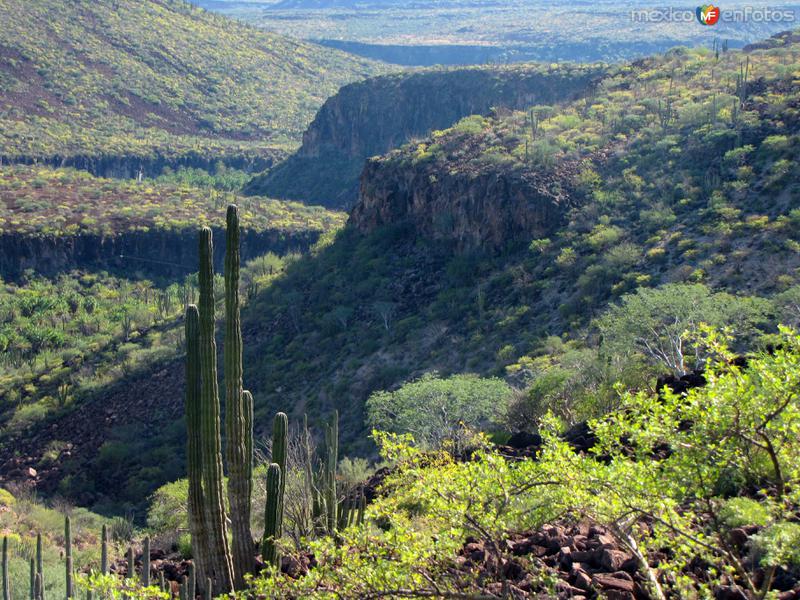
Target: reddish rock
[
  {"x": 591, "y": 557},
  {"x": 619, "y": 595},
  {"x": 612, "y": 582},
  {"x": 612, "y": 560},
  {"x": 293, "y": 566},
  {"x": 581, "y": 580}
]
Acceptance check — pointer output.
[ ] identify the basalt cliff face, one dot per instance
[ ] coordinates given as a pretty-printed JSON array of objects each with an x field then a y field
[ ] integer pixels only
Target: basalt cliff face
[
  {"x": 150, "y": 254},
  {"x": 489, "y": 209},
  {"x": 375, "y": 116}
]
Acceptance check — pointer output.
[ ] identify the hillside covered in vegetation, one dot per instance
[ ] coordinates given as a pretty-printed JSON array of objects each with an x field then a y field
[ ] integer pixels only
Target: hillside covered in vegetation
[
  {"x": 119, "y": 86},
  {"x": 553, "y": 353},
  {"x": 514, "y": 245},
  {"x": 478, "y": 247}
]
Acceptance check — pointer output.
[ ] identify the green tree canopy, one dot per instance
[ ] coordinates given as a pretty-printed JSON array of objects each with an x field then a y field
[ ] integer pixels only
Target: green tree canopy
[
  {"x": 437, "y": 410},
  {"x": 662, "y": 323}
]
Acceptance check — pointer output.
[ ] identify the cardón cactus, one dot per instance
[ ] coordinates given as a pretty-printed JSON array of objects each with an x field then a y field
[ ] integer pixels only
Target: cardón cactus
[
  {"x": 197, "y": 512},
  {"x": 218, "y": 561},
  {"x": 236, "y": 427}
]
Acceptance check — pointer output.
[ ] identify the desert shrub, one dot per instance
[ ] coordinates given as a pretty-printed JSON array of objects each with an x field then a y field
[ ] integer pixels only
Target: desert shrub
[{"x": 439, "y": 411}]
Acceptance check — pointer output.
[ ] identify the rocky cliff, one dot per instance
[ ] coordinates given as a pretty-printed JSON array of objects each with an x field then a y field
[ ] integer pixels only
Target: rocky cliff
[
  {"x": 154, "y": 253},
  {"x": 372, "y": 117},
  {"x": 488, "y": 209},
  {"x": 131, "y": 166}
]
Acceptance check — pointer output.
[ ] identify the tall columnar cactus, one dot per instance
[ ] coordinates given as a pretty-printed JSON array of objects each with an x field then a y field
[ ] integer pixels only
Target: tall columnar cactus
[
  {"x": 68, "y": 556},
  {"x": 269, "y": 548},
  {"x": 198, "y": 526},
  {"x": 104, "y": 550},
  {"x": 39, "y": 592},
  {"x": 236, "y": 430},
  {"x": 6, "y": 585},
  {"x": 218, "y": 562},
  {"x": 331, "y": 461},
  {"x": 280, "y": 451},
  {"x": 146, "y": 562},
  {"x": 38, "y": 588}
]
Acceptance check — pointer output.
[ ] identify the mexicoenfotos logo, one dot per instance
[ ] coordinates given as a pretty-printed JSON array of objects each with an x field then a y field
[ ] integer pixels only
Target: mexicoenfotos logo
[{"x": 708, "y": 14}]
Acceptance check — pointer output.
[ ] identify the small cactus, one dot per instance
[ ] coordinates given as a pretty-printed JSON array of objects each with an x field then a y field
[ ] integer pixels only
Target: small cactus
[
  {"x": 39, "y": 580},
  {"x": 68, "y": 556},
  {"x": 362, "y": 507},
  {"x": 104, "y": 551},
  {"x": 331, "y": 461},
  {"x": 269, "y": 549},
  {"x": 146, "y": 563},
  {"x": 192, "y": 583},
  {"x": 6, "y": 585},
  {"x": 32, "y": 593},
  {"x": 280, "y": 451},
  {"x": 131, "y": 564}
]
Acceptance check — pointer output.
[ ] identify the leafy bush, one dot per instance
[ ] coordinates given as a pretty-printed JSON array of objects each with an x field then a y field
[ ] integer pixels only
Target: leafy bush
[{"x": 440, "y": 411}]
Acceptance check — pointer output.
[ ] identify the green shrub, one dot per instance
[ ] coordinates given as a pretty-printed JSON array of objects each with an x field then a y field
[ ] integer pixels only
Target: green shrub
[{"x": 738, "y": 512}]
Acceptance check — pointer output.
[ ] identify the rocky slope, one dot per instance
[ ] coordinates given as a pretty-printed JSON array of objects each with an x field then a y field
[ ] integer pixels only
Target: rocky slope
[{"x": 372, "y": 117}]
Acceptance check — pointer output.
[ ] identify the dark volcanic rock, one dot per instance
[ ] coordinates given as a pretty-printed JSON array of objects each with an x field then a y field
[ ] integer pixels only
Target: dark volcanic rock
[{"x": 523, "y": 439}]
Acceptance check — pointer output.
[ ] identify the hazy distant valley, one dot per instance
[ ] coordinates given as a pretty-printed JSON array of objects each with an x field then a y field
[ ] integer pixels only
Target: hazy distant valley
[{"x": 432, "y": 32}]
